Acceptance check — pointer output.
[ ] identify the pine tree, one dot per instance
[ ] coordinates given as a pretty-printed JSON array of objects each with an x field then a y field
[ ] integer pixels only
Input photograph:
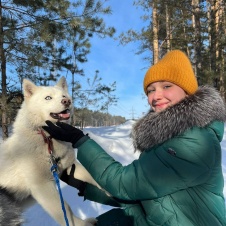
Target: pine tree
[
  {"x": 34, "y": 37},
  {"x": 197, "y": 27}
]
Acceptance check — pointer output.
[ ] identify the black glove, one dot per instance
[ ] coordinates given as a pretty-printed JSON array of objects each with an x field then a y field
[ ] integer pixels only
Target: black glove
[
  {"x": 64, "y": 132},
  {"x": 70, "y": 180}
]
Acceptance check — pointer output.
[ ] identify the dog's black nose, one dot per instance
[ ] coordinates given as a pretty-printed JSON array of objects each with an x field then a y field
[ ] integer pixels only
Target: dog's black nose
[{"x": 66, "y": 102}]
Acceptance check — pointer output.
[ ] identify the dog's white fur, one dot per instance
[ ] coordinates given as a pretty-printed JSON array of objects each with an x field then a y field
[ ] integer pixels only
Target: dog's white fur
[{"x": 24, "y": 156}]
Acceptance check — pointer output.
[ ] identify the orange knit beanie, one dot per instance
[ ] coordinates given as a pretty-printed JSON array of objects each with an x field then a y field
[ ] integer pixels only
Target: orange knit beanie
[{"x": 174, "y": 67}]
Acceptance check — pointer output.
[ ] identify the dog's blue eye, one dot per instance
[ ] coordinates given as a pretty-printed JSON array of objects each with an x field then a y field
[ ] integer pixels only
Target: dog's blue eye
[{"x": 48, "y": 98}]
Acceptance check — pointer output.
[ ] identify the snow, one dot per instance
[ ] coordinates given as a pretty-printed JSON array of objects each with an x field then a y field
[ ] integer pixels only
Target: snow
[{"x": 117, "y": 142}]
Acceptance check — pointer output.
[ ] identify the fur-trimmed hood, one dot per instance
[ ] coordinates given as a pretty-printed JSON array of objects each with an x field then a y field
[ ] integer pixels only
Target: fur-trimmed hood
[{"x": 199, "y": 109}]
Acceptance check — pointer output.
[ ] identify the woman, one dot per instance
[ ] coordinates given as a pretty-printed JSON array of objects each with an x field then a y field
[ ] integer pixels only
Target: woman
[{"x": 177, "y": 180}]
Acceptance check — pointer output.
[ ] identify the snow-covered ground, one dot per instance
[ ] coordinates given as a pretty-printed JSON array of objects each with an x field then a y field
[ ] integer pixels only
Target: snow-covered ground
[{"x": 116, "y": 141}]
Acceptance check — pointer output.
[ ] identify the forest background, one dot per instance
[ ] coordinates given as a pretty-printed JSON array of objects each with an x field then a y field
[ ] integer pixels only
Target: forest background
[{"x": 44, "y": 39}]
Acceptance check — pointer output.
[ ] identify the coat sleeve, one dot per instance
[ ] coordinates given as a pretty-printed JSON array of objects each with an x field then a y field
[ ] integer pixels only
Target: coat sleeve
[
  {"x": 179, "y": 163},
  {"x": 95, "y": 194}
]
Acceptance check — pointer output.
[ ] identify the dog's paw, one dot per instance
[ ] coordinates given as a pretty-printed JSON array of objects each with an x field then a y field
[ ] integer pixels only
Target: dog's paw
[{"x": 90, "y": 221}]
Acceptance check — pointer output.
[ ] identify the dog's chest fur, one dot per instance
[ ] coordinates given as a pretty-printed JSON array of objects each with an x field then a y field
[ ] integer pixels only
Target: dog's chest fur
[{"x": 25, "y": 159}]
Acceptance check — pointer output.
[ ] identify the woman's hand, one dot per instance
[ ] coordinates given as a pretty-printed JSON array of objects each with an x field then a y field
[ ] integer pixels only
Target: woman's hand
[
  {"x": 70, "y": 180},
  {"x": 64, "y": 132}
]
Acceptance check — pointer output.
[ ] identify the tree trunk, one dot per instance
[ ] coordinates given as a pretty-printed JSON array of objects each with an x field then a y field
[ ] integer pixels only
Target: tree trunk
[
  {"x": 155, "y": 33},
  {"x": 73, "y": 99},
  {"x": 224, "y": 34},
  {"x": 216, "y": 27},
  {"x": 3, "y": 77},
  {"x": 212, "y": 38},
  {"x": 168, "y": 33},
  {"x": 219, "y": 52},
  {"x": 197, "y": 37},
  {"x": 209, "y": 32},
  {"x": 185, "y": 35}
]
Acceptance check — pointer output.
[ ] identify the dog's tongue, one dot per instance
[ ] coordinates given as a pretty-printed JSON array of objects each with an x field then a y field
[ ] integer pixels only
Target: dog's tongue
[{"x": 66, "y": 115}]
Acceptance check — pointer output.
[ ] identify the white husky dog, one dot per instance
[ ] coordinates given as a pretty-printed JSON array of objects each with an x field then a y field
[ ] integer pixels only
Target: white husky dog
[{"x": 25, "y": 156}]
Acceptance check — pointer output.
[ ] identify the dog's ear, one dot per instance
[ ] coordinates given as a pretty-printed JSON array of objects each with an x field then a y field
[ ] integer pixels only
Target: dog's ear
[
  {"x": 28, "y": 88},
  {"x": 62, "y": 83}
]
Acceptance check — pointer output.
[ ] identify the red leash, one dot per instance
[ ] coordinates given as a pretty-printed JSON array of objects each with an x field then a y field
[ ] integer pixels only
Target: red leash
[{"x": 47, "y": 140}]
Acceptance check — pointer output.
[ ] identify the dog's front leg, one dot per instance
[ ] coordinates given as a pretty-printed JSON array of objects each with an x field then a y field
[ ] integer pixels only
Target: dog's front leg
[
  {"x": 47, "y": 196},
  {"x": 82, "y": 174}
]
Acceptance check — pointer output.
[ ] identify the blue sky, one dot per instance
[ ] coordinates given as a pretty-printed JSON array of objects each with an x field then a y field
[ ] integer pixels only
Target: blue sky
[{"x": 120, "y": 63}]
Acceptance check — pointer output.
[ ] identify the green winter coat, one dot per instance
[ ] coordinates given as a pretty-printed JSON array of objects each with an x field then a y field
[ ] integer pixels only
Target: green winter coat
[{"x": 177, "y": 180}]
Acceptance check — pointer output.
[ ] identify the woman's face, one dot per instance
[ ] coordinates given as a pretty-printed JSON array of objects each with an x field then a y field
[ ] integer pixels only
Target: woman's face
[{"x": 162, "y": 95}]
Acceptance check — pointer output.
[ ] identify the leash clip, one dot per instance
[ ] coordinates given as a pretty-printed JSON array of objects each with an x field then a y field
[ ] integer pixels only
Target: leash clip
[{"x": 53, "y": 163}]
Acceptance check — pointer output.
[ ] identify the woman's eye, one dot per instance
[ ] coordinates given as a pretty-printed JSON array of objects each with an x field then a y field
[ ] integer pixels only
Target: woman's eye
[
  {"x": 167, "y": 86},
  {"x": 48, "y": 98},
  {"x": 150, "y": 91}
]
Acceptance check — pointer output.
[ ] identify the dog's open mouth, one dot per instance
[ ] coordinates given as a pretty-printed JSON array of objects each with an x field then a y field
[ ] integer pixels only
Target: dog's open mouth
[{"x": 63, "y": 115}]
